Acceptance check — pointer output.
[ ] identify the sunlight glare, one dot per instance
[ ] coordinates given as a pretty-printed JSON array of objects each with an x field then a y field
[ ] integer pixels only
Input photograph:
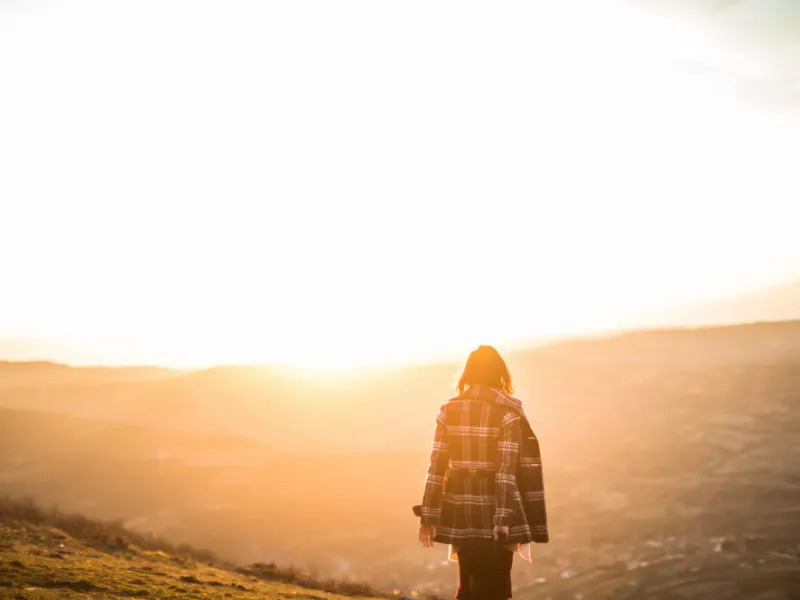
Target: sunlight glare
[{"x": 264, "y": 183}]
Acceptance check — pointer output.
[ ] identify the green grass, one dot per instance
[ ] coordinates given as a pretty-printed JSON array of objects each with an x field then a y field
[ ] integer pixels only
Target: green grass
[{"x": 45, "y": 554}]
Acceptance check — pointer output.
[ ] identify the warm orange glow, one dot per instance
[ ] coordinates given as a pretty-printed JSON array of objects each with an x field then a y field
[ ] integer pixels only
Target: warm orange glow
[{"x": 302, "y": 217}]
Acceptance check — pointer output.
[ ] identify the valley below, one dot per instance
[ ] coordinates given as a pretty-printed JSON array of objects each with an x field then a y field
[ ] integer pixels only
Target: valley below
[{"x": 672, "y": 463}]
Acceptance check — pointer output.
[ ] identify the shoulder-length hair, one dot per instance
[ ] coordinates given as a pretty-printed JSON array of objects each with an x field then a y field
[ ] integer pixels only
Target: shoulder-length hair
[{"x": 485, "y": 367}]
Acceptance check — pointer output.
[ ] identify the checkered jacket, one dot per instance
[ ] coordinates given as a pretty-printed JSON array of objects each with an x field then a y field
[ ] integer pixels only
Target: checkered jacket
[{"x": 485, "y": 470}]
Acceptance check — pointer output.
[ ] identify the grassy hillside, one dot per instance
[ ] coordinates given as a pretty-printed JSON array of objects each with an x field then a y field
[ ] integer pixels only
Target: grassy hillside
[{"x": 51, "y": 555}]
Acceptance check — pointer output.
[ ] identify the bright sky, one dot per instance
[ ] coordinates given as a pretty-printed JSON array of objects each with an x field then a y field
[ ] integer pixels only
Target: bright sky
[{"x": 335, "y": 182}]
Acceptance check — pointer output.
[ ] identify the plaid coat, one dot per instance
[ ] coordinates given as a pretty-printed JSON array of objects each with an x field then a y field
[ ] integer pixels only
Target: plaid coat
[{"x": 485, "y": 470}]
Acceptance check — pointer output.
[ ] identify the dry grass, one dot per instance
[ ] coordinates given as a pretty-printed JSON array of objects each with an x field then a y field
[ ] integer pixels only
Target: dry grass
[{"x": 47, "y": 554}]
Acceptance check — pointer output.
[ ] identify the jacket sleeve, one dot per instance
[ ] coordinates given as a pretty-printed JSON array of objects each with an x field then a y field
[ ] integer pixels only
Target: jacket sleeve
[
  {"x": 506, "y": 493},
  {"x": 434, "y": 481},
  {"x": 530, "y": 482}
]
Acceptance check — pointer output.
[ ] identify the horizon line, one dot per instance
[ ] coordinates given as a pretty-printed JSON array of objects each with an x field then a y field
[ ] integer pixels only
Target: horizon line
[{"x": 519, "y": 347}]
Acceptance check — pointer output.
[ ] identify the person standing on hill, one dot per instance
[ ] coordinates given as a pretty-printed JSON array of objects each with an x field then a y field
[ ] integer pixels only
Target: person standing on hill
[{"x": 484, "y": 491}]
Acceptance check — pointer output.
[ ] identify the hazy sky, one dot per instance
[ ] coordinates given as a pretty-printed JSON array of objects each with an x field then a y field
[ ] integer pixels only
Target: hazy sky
[{"x": 193, "y": 182}]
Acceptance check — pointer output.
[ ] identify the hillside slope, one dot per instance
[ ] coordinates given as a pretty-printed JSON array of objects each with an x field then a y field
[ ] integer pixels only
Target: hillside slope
[{"x": 38, "y": 560}]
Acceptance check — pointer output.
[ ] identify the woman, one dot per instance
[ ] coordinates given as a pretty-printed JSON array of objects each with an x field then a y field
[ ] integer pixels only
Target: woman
[{"x": 484, "y": 492}]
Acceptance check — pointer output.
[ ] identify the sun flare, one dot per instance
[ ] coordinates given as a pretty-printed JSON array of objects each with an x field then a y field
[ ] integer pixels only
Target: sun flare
[{"x": 359, "y": 207}]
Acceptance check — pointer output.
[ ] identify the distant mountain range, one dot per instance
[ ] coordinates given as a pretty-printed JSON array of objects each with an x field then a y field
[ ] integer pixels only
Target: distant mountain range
[{"x": 776, "y": 303}]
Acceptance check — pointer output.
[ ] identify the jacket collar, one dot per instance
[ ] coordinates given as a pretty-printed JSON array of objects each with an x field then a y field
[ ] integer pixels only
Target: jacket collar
[{"x": 492, "y": 395}]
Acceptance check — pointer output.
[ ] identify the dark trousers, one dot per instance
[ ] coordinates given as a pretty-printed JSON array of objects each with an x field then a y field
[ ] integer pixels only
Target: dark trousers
[{"x": 484, "y": 571}]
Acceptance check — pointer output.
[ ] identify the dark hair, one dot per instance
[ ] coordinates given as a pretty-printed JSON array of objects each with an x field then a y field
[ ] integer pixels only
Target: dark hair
[{"x": 486, "y": 367}]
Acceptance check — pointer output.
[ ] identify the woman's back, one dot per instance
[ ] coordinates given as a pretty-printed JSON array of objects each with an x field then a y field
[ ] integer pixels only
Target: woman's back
[
  {"x": 484, "y": 492},
  {"x": 471, "y": 483},
  {"x": 473, "y": 429}
]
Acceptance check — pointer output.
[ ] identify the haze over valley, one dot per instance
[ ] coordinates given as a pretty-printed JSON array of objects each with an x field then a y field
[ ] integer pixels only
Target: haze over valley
[{"x": 672, "y": 461}]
